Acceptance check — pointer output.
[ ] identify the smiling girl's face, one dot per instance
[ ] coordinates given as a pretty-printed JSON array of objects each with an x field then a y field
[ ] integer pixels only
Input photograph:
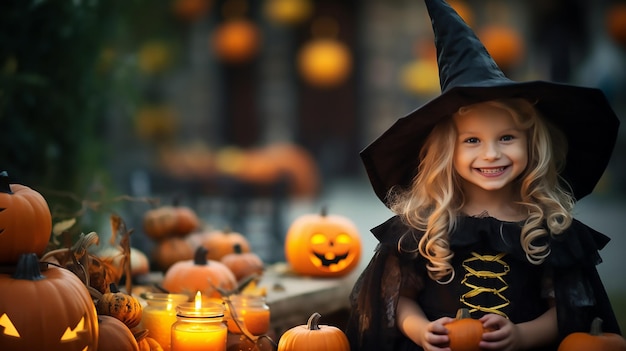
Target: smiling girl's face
[{"x": 491, "y": 151}]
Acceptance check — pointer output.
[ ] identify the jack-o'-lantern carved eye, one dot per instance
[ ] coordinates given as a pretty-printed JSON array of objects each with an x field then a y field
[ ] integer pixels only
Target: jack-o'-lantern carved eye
[
  {"x": 72, "y": 334},
  {"x": 9, "y": 328},
  {"x": 318, "y": 239},
  {"x": 343, "y": 239}
]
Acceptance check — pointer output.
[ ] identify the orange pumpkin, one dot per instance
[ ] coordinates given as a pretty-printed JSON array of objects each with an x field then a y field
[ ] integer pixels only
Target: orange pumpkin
[
  {"x": 45, "y": 310},
  {"x": 595, "y": 340},
  {"x": 25, "y": 221},
  {"x": 115, "y": 335},
  {"x": 199, "y": 274},
  {"x": 313, "y": 337},
  {"x": 167, "y": 221},
  {"x": 220, "y": 243},
  {"x": 465, "y": 333},
  {"x": 171, "y": 250},
  {"x": 149, "y": 344},
  {"x": 323, "y": 245},
  {"x": 122, "y": 306},
  {"x": 243, "y": 264}
]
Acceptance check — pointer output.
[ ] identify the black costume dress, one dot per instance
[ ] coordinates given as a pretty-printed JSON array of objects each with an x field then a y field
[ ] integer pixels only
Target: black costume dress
[{"x": 492, "y": 275}]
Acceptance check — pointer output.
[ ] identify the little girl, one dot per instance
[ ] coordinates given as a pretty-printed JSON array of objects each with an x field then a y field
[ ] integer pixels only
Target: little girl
[{"x": 483, "y": 180}]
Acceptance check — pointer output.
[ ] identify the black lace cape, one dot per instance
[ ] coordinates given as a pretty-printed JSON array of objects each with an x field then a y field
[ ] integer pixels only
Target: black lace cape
[{"x": 579, "y": 293}]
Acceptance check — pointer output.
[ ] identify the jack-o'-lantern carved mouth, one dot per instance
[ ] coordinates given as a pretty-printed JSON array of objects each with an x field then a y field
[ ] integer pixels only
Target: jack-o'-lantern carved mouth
[
  {"x": 69, "y": 335},
  {"x": 329, "y": 258}
]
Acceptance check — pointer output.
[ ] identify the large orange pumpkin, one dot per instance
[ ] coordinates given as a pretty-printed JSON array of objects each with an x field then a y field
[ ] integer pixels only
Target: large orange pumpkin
[
  {"x": 45, "y": 310},
  {"x": 323, "y": 245},
  {"x": 313, "y": 337},
  {"x": 594, "y": 340},
  {"x": 199, "y": 274},
  {"x": 25, "y": 221}
]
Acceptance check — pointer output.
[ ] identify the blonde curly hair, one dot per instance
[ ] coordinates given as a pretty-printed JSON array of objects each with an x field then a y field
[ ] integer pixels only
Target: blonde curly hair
[{"x": 435, "y": 199}]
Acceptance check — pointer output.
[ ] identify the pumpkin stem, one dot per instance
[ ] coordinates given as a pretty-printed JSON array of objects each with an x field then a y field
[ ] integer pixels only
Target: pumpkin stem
[
  {"x": 199, "y": 257},
  {"x": 313, "y": 322},
  {"x": 5, "y": 187},
  {"x": 463, "y": 313},
  {"x": 237, "y": 249},
  {"x": 324, "y": 211},
  {"x": 113, "y": 288},
  {"x": 596, "y": 326},
  {"x": 28, "y": 268}
]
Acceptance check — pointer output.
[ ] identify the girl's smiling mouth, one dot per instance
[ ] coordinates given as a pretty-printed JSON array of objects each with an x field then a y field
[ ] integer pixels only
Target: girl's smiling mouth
[{"x": 493, "y": 171}]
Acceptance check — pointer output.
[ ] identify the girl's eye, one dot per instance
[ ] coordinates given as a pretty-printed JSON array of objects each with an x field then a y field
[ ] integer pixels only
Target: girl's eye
[
  {"x": 471, "y": 140},
  {"x": 507, "y": 138}
]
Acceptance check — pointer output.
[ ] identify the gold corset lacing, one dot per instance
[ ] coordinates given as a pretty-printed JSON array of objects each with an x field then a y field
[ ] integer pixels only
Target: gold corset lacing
[{"x": 476, "y": 290}]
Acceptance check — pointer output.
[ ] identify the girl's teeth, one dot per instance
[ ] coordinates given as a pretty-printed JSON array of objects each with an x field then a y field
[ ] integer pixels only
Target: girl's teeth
[{"x": 492, "y": 170}]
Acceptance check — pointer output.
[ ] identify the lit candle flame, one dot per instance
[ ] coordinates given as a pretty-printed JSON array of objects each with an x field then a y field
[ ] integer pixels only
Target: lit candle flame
[{"x": 198, "y": 300}]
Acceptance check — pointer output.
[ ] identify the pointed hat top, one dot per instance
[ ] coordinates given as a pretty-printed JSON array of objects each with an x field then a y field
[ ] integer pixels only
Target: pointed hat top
[
  {"x": 467, "y": 75},
  {"x": 463, "y": 60}
]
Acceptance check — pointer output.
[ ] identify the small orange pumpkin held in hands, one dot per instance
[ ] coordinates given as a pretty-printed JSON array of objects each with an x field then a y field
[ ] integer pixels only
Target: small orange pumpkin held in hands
[
  {"x": 313, "y": 337},
  {"x": 465, "y": 333},
  {"x": 595, "y": 340}
]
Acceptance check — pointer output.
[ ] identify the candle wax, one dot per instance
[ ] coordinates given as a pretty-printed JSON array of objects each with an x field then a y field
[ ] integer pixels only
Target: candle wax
[
  {"x": 159, "y": 325},
  {"x": 199, "y": 337},
  {"x": 257, "y": 321}
]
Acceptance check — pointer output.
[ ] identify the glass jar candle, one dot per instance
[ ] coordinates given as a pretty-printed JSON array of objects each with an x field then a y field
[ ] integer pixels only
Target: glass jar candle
[
  {"x": 199, "y": 328},
  {"x": 159, "y": 315},
  {"x": 251, "y": 311}
]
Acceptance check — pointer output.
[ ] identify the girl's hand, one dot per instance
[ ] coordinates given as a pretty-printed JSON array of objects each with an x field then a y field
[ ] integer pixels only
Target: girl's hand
[
  {"x": 504, "y": 337},
  {"x": 435, "y": 336}
]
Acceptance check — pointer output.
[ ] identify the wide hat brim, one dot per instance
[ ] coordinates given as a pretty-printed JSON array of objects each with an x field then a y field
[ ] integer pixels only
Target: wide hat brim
[{"x": 583, "y": 114}]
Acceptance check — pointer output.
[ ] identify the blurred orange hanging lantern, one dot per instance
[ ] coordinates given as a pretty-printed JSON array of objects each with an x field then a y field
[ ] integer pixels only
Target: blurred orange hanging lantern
[
  {"x": 288, "y": 12},
  {"x": 190, "y": 10},
  {"x": 421, "y": 77},
  {"x": 236, "y": 40},
  {"x": 504, "y": 44},
  {"x": 616, "y": 22},
  {"x": 324, "y": 62}
]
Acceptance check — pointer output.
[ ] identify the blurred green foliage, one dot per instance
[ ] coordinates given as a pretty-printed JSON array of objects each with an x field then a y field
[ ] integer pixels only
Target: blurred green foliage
[{"x": 63, "y": 64}]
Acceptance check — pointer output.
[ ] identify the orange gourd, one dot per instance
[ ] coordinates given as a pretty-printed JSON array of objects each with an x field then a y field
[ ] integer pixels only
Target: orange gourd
[
  {"x": 200, "y": 274},
  {"x": 47, "y": 309},
  {"x": 243, "y": 264},
  {"x": 220, "y": 243},
  {"x": 25, "y": 221},
  {"x": 115, "y": 335},
  {"x": 313, "y": 337},
  {"x": 595, "y": 340},
  {"x": 323, "y": 245},
  {"x": 122, "y": 306},
  {"x": 465, "y": 333},
  {"x": 149, "y": 344}
]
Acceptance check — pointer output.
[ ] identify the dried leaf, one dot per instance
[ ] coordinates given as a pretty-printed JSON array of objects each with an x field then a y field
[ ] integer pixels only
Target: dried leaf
[{"x": 63, "y": 226}]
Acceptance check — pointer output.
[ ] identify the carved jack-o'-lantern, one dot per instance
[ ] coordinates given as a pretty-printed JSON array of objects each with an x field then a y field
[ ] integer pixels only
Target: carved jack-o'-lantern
[
  {"x": 50, "y": 310},
  {"x": 323, "y": 245}
]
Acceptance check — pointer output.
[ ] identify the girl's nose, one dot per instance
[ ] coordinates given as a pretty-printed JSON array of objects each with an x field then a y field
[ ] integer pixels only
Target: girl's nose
[{"x": 492, "y": 151}]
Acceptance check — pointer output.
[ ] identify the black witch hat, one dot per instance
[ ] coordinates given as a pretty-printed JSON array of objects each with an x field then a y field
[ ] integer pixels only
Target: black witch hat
[{"x": 467, "y": 75}]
